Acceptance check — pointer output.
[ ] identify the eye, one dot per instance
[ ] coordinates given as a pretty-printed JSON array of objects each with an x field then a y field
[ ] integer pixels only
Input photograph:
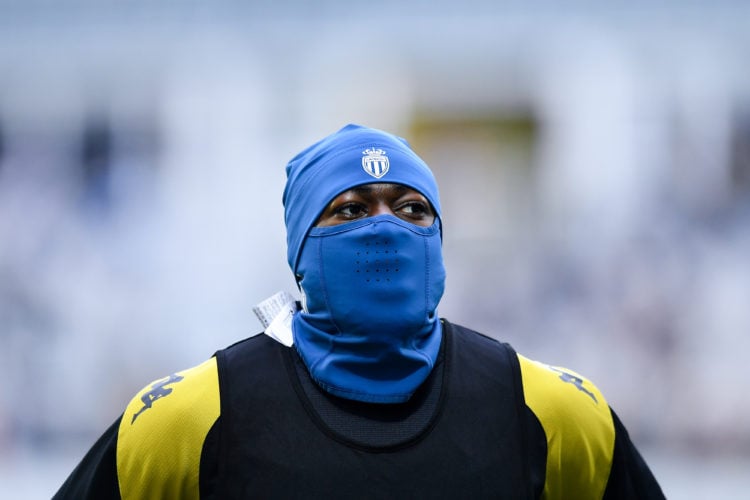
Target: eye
[
  {"x": 351, "y": 210},
  {"x": 416, "y": 210}
]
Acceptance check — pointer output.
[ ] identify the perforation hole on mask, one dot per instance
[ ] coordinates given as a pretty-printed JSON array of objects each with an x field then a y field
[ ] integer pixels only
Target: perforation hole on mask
[{"x": 377, "y": 261}]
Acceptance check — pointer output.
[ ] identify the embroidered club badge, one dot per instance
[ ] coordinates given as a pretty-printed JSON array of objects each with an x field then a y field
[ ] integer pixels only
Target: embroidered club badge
[{"x": 375, "y": 162}]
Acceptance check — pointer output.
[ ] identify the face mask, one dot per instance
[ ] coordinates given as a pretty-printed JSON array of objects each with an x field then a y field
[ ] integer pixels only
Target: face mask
[{"x": 369, "y": 330}]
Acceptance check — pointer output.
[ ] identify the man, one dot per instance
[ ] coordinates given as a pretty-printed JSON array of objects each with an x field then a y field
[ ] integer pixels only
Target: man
[{"x": 377, "y": 397}]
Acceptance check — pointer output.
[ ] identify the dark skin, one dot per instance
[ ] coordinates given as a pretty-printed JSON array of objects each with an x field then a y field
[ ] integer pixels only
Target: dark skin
[{"x": 374, "y": 199}]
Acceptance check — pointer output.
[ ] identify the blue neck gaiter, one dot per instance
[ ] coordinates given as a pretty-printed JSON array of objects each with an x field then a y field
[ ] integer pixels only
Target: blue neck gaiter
[{"x": 369, "y": 330}]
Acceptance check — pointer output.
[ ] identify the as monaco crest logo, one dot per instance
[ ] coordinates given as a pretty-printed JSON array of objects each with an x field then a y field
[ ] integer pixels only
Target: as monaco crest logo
[{"x": 375, "y": 162}]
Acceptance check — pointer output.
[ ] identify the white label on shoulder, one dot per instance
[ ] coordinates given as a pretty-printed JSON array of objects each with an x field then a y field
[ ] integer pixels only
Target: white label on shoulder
[
  {"x": 275, "y": 314},
  {"x": 267, "y": 310},
  {"x": 280, "y": 328}
]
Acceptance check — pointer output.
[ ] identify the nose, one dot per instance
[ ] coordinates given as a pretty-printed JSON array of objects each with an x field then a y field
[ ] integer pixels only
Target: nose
[{"x": 380, "y": 207}]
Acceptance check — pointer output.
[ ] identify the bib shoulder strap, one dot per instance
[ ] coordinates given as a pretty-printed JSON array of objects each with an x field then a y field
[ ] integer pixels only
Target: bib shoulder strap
[
  {"x": 578, "y": 426},
  {"x": 162, "y": 431}
]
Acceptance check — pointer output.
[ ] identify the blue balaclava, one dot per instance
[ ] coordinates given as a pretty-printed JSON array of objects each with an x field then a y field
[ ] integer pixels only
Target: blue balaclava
[{"x": 368, "y": 329}]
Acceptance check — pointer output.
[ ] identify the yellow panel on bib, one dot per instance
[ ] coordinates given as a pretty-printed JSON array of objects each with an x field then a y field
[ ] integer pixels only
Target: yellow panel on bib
[
  {"x": 161, "y": 435},
  {"x": 579, "y": 429}
]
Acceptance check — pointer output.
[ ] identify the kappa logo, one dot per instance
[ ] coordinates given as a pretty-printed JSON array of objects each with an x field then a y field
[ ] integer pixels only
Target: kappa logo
[
  {"x": 576, "y": 381},
  {"x": 158, "y": 390},
  {"x": 375, "y": 162}
]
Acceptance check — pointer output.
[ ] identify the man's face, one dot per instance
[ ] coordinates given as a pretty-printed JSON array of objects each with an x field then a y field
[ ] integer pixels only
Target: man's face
[{"x": 378, "y": 199}]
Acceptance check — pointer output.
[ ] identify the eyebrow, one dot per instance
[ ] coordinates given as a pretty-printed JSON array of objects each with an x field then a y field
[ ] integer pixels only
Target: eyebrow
[{"x": 368, "y": 188}]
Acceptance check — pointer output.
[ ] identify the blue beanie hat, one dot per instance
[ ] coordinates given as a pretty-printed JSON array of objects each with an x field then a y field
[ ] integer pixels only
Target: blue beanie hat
[{"x": 351, "y": 157}]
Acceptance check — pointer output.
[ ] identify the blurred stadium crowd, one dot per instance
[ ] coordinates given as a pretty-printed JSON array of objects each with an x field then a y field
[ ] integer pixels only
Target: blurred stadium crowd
[{"x": 594, "y": 166}]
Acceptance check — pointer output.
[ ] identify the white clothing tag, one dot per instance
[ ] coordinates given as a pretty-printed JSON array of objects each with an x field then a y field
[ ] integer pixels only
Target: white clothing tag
[
  {"x": 280, "y": 328},
  {"x": 275, "y": 314}
]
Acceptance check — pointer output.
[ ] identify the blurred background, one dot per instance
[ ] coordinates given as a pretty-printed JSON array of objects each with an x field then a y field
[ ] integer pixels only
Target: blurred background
[{"x": 594, "y": 164}]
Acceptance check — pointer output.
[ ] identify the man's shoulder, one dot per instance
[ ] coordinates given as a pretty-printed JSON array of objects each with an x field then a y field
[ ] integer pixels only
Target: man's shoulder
[
  {"x": 183, "y": 389},
  {"x": 195, "y": 390},
  {"x": 572, "y": 412},
  {"x": 162, "y": 431},
  {"x": 558, "y": 385},
  {"x": 577, "y": 423},
  {"x": 559, "y": 388}
]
